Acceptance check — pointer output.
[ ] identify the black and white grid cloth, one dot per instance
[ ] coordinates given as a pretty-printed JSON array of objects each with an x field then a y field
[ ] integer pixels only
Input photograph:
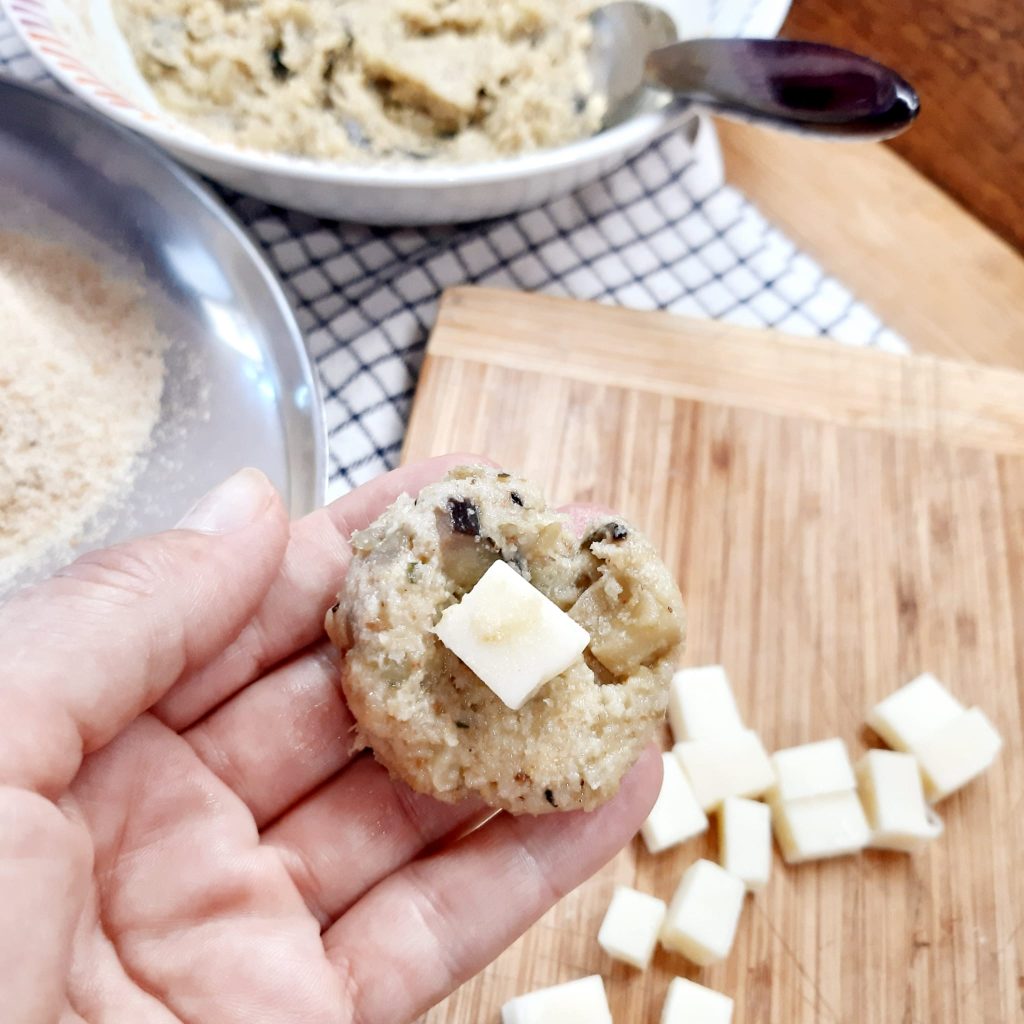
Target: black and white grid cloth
[{"x": 662, "y": 232}]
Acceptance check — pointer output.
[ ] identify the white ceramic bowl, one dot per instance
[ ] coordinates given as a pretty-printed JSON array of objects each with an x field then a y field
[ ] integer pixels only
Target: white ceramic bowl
[{"x": 79, "y": 43}]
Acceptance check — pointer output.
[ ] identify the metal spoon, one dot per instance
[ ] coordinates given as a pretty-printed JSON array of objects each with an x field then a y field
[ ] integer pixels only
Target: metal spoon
[{"x": 807, "y": 87}]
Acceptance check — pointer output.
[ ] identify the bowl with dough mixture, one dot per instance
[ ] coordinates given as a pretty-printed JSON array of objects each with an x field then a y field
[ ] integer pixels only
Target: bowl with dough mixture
[{"x": 379, "y": 111}]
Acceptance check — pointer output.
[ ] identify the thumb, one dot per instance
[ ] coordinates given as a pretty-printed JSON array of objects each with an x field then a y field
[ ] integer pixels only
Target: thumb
[{"x": 87, "y": 651}]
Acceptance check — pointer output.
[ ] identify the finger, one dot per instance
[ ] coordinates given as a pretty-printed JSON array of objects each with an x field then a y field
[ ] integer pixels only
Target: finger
[
  {"x": 291, "y": 616},
  {"x": 358, "y": 829},
  {"x": 282, "y": 736},
  {"x": 583, "y": 515},
  {"x": 426, "y": 929},
  {"x": 45, "y": 866},
  {"x": 88, "y": 650}
]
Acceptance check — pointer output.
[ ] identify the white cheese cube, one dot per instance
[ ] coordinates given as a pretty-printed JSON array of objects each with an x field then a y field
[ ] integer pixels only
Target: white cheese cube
[
  {"x": 735, "y": 765},
  {"x": 676, "y": 816},
  {"x": 512, "y": 636},
  {"x": 820, "y": 826},
  {"x": 631, "y": 925},
  {"x": 889, "y": 783},
  {"x": 956, "y": 753},
  {"x": 690, "y": 1003},
  {"x": 812, "y": 769},
  {"x": 745, "y": 840},
  {"x": 913, "y": 711},
  {"x": 701, "y": 705},
  {"x": 576, "y": 1002},
  {"x": 702, "y": 917}
]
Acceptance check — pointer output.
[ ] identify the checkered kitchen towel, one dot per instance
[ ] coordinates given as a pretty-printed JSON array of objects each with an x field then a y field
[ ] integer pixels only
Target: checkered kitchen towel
[{"x": 663, "y": 232}]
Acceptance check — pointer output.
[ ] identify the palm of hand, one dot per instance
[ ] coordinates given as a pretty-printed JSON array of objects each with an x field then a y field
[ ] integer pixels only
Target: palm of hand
[
  {"x": 188, "y": 915},
  {"x": 223, "y": 857}
]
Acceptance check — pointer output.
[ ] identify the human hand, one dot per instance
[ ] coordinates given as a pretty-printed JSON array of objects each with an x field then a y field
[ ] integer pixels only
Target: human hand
[{"x": 185, "y": 835}]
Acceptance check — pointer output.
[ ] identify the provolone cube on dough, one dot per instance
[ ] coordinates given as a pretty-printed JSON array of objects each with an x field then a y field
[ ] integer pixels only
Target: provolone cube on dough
[
  {"x": 956, "y": 753},
  {"x": 890, "y": 789},
  {"x": 736, "y": 765},
  {"x": 690, "y": 1003},
  {"x": 512, "y": 636},
  {"x": 907, "y": 716},
  {"x": 701, "y": 705},
  {"x": 745, "y": 840},
  {"x": 820, "y": 826},
  {"x": 812, "y": 769},
  {"x": 676, "y": 816},
  {"x": 631, "y": 925},
  {"x": 576, "y": 1002},
  {"x": 702, "y": 917}
]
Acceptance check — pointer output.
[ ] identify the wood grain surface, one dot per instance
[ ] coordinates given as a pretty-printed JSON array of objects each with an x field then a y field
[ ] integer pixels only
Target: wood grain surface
[
  {"x": 838, "y": 522},
  {"x": 966, "y": 58},
  {"x": 929, "y": 269}
]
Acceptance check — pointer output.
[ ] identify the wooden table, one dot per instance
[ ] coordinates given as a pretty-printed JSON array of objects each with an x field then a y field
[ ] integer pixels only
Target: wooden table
[
  {"x": 933, "y": 272},
  {"x": 966, "y": 58}
]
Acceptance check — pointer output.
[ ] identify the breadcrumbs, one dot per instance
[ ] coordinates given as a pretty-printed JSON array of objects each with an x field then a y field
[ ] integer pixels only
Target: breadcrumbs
[{"x": 81, "y": 375}]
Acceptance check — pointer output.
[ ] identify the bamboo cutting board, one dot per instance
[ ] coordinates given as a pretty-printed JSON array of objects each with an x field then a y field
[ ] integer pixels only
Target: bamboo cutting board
[{"x": 839, "y": 521}]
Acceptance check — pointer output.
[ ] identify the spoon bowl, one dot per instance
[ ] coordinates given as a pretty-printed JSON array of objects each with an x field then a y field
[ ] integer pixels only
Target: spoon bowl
[{"x": 623, "y": 34}]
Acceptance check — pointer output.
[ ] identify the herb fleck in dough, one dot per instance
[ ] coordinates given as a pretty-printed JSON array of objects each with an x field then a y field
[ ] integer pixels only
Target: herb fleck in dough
[{"x": 430, "y": 720}]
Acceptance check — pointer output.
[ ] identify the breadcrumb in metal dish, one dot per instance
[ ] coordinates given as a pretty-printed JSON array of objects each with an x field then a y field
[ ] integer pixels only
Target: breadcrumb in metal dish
[{"x": 81, "y": 377}]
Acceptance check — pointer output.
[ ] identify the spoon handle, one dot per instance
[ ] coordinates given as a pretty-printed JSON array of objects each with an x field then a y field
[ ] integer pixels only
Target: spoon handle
[{"x": 809, "y": 87}]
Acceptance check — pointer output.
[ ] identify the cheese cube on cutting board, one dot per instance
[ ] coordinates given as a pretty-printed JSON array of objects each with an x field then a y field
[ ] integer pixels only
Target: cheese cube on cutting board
[
  {"x": 676, "y": 816},
  {"x": 889, "y": 784},
  {"x": 736, "y": 765},
  {"x": 745, "y": 840},
  {"x": 576, "y": 1002},
  {"x": 690, "y": 1003},
  {"x": 629, "y": 931},
  {"x": 701, "y": 705},
  {"x": 820, "y": 826},
  {"x": 812, "y": 769},
  {"x": 956, "y": 753},
  {"x": 907, "y": 716},
  {"x": 702, "y": 917},
  {"x": 513, "y": 637}
]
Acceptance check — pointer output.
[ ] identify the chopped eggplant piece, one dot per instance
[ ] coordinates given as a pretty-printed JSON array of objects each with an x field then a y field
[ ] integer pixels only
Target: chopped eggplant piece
[
  {"x": 465, "y": 557},
  {"x": 464, "y": 517},
  {"x": 608, "y": 532},
  {"x": 628, "y": 628}
]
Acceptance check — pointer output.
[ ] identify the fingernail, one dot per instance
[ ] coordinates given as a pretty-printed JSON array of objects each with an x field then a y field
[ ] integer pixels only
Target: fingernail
[{"x": 231, "y": 505}]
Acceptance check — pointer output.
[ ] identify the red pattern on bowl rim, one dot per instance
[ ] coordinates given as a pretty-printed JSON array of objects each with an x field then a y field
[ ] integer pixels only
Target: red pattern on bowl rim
[{"x": 33, "y": 17}]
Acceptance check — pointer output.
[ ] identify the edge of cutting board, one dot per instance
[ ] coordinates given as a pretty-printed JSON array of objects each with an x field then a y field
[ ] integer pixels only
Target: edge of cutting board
[{"x": 729, "y": 365}]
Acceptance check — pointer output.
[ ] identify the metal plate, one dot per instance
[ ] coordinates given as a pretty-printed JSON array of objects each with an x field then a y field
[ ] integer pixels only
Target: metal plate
[{"x": 239, "y": 388}]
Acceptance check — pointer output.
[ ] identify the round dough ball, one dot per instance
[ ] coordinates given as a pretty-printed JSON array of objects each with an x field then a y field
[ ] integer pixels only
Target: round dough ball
[{"x": 430, "y": 720}]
